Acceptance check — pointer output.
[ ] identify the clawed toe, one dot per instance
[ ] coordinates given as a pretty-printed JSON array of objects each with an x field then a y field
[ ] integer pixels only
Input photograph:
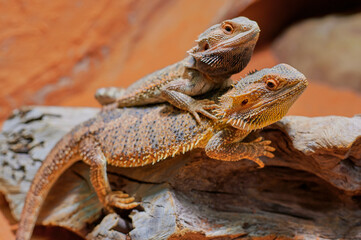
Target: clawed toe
[
  {"x": 259, "y": 162},
  {"x": 121, "y": 200},
  {"x": 265, "y": 142},
  {"x": 210, "y": 107},
  {"x": 205, "y": 102},
  {"x": 269, "y": 154},
  {"x": 126, "y": 205},
  {"x": 269, "y": 148},
  {"x": 257, "y": 140}
]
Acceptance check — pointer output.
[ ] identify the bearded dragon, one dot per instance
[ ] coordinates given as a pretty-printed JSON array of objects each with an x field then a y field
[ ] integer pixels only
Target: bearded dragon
[
  {"x": 137, "y": 136},
  {"x": 222, "y": 50}
]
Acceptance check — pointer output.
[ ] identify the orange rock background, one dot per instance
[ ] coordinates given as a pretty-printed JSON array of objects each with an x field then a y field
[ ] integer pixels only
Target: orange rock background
[{"x": 60, "y": 52}]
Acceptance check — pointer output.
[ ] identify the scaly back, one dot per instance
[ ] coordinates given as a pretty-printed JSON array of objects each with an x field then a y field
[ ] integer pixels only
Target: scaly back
[{"x": 142, "y": 135}]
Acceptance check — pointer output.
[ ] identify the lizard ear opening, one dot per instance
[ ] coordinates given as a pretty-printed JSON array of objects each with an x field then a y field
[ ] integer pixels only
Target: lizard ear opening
[{"x": 206, "y": 47}]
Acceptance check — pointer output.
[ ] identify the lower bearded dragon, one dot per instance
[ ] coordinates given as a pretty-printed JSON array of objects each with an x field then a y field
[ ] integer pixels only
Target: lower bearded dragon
[{"x": 137, "y": 136}]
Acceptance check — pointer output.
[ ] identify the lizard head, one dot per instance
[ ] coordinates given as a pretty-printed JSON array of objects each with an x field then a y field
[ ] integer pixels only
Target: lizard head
[
  {"x": 226, "y": 48},
  {"x": 261, "y": 98}
]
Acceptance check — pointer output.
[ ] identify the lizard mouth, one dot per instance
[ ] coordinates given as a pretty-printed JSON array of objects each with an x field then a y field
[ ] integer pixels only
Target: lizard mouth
[{"x": 237, "y": 40}]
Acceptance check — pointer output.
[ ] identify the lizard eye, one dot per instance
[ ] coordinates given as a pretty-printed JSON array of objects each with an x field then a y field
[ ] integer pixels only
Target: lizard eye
[
  {"x": 244, "y": 102},
  {"x": 228, "y": 28},
  {"x": 271, "y": 84}
]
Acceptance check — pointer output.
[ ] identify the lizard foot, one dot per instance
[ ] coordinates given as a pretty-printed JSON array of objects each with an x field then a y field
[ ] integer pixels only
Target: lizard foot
[
  {"x": 200, "y": 106},
  {"x": 119, "y": 199},
  {"x": 262, "y": 149}
]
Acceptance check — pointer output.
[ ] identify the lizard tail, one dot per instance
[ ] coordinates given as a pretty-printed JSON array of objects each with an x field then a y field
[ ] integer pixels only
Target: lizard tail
[{"x": 62, "y": 156}]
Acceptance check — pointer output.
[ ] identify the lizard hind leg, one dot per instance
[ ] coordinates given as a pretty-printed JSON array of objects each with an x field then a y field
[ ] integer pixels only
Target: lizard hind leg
[{"x": 93, "y": 156}]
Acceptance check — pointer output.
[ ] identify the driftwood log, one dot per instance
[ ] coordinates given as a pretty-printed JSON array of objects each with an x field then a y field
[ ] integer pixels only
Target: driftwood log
[{"x": 310, "y": 190}]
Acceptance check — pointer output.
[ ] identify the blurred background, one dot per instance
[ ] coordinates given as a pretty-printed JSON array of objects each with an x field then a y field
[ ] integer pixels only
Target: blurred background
[{"x": 59, "y": 52}]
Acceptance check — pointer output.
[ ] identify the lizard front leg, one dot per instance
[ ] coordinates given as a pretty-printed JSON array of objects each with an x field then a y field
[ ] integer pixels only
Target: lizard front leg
[
  {"x": 178, "y": 94},
  {"x": 93, "y": 156},
  {"x": 226, "y": 145}
]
